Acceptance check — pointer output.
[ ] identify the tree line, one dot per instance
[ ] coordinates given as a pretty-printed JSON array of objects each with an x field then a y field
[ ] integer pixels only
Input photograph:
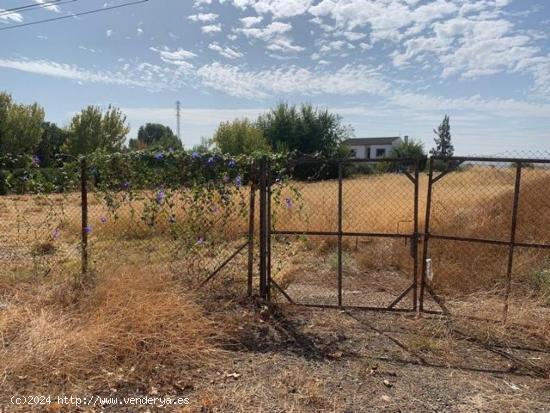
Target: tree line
[{"x": 288, "y": 129}]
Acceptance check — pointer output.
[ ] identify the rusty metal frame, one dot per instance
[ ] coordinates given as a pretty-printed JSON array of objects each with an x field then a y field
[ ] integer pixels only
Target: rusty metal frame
[
  {"x": 414, "y": 237},
  {"x": 511, "y": 243}
]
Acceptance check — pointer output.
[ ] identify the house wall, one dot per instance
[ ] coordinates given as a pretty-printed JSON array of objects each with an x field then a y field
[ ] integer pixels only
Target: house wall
[
  {"x": 360, "y": 152},
  {"x": 373, "y": 149}
]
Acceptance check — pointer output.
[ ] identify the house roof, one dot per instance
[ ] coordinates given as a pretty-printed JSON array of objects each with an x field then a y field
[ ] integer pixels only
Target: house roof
[{"x": 372, "y": 141}]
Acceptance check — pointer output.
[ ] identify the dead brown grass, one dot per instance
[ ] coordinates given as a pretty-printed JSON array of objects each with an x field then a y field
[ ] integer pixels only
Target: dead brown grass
[{"x": 120, "y": 330}]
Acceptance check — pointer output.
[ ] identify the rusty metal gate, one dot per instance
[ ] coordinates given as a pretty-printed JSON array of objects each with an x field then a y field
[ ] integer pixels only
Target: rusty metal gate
[
  {"x": 486, "y": 229},
  {"x": 363, "y": 212}
]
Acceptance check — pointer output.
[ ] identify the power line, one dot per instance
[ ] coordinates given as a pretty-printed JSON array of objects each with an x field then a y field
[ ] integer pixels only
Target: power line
[
  {"x": 29, "y": 6},
  {"x": 34, "y": 6},
  {"x": 132, "y": 3}
]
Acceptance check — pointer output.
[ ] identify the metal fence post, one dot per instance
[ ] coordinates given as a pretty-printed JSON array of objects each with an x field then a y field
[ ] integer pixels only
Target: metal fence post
[
  {"x": 251, "y": 229},
  {"x": 513, "y": 228},
  {"x": 426, "y": 237},
  {"x": 415, "y": 235},
  {"x": 340, "y": 218},
  {"x": 263, "y": 230},
  {"x": 269, "y": 180},
  {"x": 84, "y": 216}
]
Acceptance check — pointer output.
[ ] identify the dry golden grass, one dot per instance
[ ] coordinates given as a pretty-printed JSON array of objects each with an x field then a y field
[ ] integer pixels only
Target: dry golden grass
[
  {"x": 476, "y": 203},
  {"x": 119, "y": 330}
]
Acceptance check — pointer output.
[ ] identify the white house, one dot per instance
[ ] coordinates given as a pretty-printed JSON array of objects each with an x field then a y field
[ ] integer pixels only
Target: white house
[{"x": 373, "y": 148}]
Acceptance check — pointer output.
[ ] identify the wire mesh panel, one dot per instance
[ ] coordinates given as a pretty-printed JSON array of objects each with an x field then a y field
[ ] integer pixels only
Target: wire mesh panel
[
  {"x": 487, "y": 231},
  {"x": 39, "y": 221},
  {"x": 342, "y": 229},
  {"x": 305, "y": 268},
  {"x": 309, "y": 201},
  {"x": 168, "y": 212},
  {"x": 172, "y": 222}
]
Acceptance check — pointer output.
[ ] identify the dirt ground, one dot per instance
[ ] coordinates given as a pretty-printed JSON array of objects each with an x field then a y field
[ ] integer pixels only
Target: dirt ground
[
  {"x": 287, "y": 358},
  {"x": 299, "y": 359}
]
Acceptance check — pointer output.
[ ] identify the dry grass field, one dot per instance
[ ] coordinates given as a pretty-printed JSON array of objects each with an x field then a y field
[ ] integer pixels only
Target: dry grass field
[{"x": 140, "y": 329}]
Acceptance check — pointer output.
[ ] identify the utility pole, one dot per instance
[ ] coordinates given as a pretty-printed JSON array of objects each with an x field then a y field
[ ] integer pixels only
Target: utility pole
[{"x": 178, "y": 116}]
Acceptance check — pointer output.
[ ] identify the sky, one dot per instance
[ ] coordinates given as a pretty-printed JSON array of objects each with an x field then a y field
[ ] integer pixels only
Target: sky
[{"x": 388, "y": 67}]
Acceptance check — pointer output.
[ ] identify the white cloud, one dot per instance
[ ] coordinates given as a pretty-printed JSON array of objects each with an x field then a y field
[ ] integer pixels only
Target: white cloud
[
  {"x": 6, "y": 17},
  {"x": 203, "y": 17},
  {"x": 109, "y": 32},
  {"x": 225, "y": 51},
  {"x": 283, "y": 45},
  {"x": 251, "y": 21},
  {"x": 268, "y": 32},
  {"x": 73, "y": 72},
  {"x": 212, "y": 28},
  {"x": 177, "y": 57},
  {"x": 293, "y": 80},
  {"x": 387, "y": 20},
  {"x": 471, "y": 48},
  {"x": 51, "y": 7},
  {"x": 278, "y": 8}
]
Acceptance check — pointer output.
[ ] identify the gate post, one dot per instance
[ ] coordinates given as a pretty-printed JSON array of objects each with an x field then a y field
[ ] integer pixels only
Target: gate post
[
  {"x": 426, "y": 237},
  {"x": 414, "y": 240},
  {"x": 252, "y": 207},
  {"x": 511, "y": 248},
  {"x": 263, "y": 229}
]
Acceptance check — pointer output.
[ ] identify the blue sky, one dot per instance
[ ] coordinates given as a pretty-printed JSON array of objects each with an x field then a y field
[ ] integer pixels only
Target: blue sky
[{"x": 388, "y": 67}]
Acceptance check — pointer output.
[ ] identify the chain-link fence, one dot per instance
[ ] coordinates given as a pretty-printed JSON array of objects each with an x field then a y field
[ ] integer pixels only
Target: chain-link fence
[
  {"x": 470, "y": 235},
  {"x": 488, "y": 237},
  {"x": 343, "y": 234},
  {"x": 183, "y": 215}
]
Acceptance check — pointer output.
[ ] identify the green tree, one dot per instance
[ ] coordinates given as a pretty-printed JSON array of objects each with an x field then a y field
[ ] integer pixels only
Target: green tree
[
  {"x": 306, "y": 130},
  {"x": 239, "y": 137},
  {"x": 443, "y": 145},
  {"x": 20, "y": 126},
  {"x": 155, "y": 135},
  {"x": 93, "y": 129},
  {"x": 409, "y": 149},
  {"x": 51, "y": 144}
]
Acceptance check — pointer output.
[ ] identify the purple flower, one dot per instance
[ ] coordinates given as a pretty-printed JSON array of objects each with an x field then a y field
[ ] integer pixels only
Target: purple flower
[
  {"x": 103, "y": 220},
  {"x": 159, "y": 156},
  {"x": 238, "y": 181},
  {"x": 159, "y": 198},
  {"x": 35, "y": 161},
  {"x": 231, "y": 163},
  {"x": 56, "y": 233},
  {"x": 125, "y": 185},
  {"x": 211, "y": 160},
  {"x": 87, "y": 229},
  {"x": 200, "y": 241},
  {"x": 195, "y": 155},
  {"x": 288, "y": 202}
]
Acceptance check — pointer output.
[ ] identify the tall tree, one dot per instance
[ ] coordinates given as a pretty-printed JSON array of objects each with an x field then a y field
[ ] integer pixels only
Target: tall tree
[
  {"x": 155, "y": 135},
  {"x": 306, "y": 129},
  {"x": 51, "y": 143},
  {"x": 443, "y": 145},
  {"x": 93, "y": 129},
  {"x": 20, "y": 126},
  {"x": 239, "y": 137}
]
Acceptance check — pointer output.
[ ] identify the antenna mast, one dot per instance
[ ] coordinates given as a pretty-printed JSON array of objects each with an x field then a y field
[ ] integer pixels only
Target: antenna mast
[{"x": 178, "y": 117}]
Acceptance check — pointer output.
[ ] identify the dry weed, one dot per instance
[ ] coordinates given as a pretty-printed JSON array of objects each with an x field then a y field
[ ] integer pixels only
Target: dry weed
[{"x": 121, "y": 329}]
